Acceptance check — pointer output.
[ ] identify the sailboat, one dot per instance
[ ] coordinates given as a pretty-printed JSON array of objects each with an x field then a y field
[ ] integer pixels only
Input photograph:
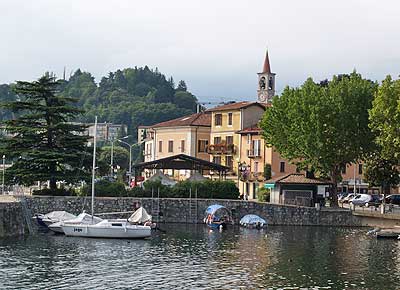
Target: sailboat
[{"x": 107, "y": 228}]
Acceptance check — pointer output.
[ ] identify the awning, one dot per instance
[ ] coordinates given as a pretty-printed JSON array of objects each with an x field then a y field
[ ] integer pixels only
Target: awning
[{"x": 269, "y": 185}]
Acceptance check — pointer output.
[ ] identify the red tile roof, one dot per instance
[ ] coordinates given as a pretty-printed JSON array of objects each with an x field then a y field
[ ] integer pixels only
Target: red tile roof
[
  {"x": 199, "y": 119},
  {"x": 297, "y": 178},
  {"x": 236, "y": 106}
]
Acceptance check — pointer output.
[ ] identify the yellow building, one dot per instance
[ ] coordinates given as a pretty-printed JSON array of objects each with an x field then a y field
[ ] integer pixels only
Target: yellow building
[
  {"x": 188, "y": 135},
  {"x": 226, "y": 121}
]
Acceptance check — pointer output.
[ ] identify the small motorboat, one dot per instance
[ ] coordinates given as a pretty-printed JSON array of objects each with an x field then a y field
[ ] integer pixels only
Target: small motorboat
[
  {"x": 82, "y": 218},
  {"x": 46, "y": 220},
  {"x": 217, "y": 217},
  {"x": 137, "y": 226},
  {"x": 253, "y": 221}
]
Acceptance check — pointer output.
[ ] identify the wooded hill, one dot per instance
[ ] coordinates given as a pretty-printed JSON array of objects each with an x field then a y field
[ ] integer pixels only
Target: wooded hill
[{"x": 132, "y": 96}]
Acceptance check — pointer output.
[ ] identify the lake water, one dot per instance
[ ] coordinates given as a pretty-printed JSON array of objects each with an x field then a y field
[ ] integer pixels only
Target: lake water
[{"x": 192, "y": 257}]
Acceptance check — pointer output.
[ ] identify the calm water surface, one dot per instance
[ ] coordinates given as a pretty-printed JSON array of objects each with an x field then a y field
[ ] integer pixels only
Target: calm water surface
[{"x": 192, "y": 257}]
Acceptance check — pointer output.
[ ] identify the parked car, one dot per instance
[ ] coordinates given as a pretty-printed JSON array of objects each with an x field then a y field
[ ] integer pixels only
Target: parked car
[
  {"x": 341, "y": 196},
  {"x": 348, "y": 198},
  {"x": 393, "y": 199},
  {"x": 361, "y": 199},
  {"x": 376, "y": 200}
]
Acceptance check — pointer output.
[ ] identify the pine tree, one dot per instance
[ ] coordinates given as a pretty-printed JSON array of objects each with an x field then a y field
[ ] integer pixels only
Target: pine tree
[{"x": 44, "y": 143}]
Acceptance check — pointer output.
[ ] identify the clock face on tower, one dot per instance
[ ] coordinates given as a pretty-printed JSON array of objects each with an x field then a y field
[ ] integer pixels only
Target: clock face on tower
[{"x": 262, "y": 97}]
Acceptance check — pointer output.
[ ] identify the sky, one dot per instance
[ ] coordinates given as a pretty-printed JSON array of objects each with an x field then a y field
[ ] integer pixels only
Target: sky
[{"x": 216, "y": 46}]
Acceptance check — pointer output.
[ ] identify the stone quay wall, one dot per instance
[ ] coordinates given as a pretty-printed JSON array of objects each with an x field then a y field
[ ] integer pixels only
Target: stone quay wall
[
  {"x": 12, "y": 222},
  {"x": 175, "y": 210}
]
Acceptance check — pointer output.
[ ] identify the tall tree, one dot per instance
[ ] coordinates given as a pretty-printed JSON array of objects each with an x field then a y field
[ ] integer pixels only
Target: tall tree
[
  {"x": 182, "y": 86},
  {"x": 45, "y": 144},
  {"x": 322, "y": 127},
  {"x": 385, "y": 118}
]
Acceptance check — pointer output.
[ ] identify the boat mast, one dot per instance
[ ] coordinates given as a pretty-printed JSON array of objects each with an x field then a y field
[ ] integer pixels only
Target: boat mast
[{"x": 94, "y": 163}]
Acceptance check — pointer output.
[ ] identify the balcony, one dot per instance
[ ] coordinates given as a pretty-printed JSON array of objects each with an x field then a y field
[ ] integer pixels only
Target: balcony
[
  {"x": 252, "y": 153},
  {"x": 221, "y": 148}
]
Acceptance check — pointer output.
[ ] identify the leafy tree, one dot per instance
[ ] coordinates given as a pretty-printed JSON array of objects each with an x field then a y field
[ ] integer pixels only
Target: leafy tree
[
  {"x": 46, "y": 145},
  {"x": 382, "y": 172},
  {"x": 385, "y": 118},
  {"x": 120, "y": 156},
  {"x": 322, "y": 127}
]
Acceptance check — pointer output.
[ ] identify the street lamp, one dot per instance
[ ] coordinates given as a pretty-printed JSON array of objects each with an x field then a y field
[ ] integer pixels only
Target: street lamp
[
  {"x": 130, "y": 155},
  {"x": 4, "y": 169},
  {"x": 112, "y": 158}
]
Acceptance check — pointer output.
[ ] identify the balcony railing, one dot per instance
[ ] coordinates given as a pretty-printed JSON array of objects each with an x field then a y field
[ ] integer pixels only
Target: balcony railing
[
  {"x": 251, "y": 153},
  {"x": 221, "y": 148}
]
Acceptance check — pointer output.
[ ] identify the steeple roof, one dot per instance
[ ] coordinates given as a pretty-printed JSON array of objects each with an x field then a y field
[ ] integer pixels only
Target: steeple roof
[{"x": 267, "y": 67}]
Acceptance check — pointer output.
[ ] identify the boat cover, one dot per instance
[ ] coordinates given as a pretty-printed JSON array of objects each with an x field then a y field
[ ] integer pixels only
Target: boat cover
[
  {"x": 140, "y": 216},
  {"x": 59, "y": 216},
  {"x": 84, "y": 218},
  {"x": 252, "y": 219},
  {"x": 213, "y": 208}
]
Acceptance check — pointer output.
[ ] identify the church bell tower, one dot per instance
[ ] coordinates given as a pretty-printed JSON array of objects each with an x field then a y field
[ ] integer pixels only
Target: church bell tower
[{"x": 266, "y": 83}]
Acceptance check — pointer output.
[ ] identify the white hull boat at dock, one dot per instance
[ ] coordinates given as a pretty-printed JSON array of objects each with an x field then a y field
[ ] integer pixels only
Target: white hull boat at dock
[
  {"x": 117, "y": 229},
  {"x": 83, "y": 218}
]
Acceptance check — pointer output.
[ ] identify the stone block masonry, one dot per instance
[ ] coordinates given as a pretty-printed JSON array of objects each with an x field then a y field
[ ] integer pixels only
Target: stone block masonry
[
  {"x": 176, "y": 210},
  {"x": 12, "y": 221}
]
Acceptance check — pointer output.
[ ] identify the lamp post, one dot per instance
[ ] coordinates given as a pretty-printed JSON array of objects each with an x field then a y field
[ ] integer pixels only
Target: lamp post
[
  {"x": 4, "y": 169},
  {"x": 130, "y": 158},
  {"x": 112, "y": 158}
]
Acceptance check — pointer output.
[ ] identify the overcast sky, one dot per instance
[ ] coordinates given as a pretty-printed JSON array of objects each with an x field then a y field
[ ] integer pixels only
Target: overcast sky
[{"x": 217, "y": 46}]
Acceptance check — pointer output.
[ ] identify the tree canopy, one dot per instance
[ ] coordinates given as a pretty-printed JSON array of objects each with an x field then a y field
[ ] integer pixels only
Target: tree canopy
[
  {"x": 132, "y": 96},
  {"x": 322, "y": 126},
  {"x": 45, "y": 145}
]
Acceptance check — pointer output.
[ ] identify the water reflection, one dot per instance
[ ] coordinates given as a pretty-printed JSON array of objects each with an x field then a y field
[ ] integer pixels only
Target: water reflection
[{"x": 192, "y": 257}]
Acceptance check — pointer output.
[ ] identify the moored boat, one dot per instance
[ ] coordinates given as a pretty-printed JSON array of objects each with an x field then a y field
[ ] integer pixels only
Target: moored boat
[
  {"x": 253, "y": 221},
  {"x": 53, "y": 217},
  {"x": 217, "y": 217},
  {"x": 82, "y": 218}
]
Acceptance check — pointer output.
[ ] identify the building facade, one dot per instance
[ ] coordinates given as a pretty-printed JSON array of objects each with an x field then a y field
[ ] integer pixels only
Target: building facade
[{"x": 188, "y": 135}]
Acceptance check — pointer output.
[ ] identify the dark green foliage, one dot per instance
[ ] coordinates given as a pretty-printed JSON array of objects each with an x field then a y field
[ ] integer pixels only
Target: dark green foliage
[
  {"x": 322, "y": 126},
  {"x": 267, "y": 171},
  {"x": 106, "y": 188},
  {"x": 54, "y": 192},
  {"x": 382, "y": 172},
  {"x": 205, "y": 189},
  {"x": 263, "y": 194},
  {"x": 45, "y": 145}
]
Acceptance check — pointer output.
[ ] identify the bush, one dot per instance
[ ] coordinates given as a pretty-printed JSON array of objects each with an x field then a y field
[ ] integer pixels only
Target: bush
[
  {"x": 54, "y": 192},
  {"x": 106, "y": 188},
  {"x": 263, "y": 194}
]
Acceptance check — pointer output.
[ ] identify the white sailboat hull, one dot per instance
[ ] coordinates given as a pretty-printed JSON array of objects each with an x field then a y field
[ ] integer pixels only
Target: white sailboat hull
[{"x": 108, "y": 229}]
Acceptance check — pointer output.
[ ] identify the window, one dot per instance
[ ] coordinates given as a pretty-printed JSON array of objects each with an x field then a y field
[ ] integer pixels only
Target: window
[
  {"x": 202, "y": 145},
  {"x": 170, "y": 146},
  {"x": 282, "y": 166},
  {"x": 217, "y": 140},
  {"x": 182, "y": 146},
  {"x": 360, "y": 169},
  {"x": 229, "y": 162},
  {"x": 248, "y": 139},
  {"x": 160, "y": 146},
  {"x": 230, "y": 119},
  {"x": 270, "y": 83},
  {"x": 218, "y": 119},
  {"x": 229, "y": 139},
  {"x": 344, "y": 169},
  {"x": 255, "y": 167},
  {"x": 256, "y": 147},
  {"x": 217, "y": 159}
]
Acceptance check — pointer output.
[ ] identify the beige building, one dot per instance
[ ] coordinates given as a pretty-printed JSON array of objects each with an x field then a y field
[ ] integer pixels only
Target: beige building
[{"x": 188, "y": 135}]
